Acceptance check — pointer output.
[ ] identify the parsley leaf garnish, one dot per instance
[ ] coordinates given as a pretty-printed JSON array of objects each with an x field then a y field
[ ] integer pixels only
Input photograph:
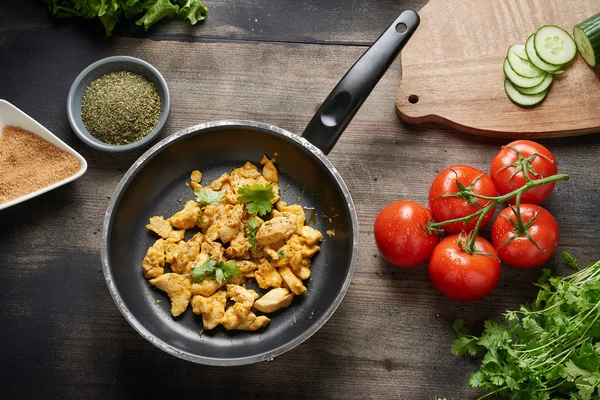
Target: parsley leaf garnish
[
  {"x": 258, "y": 197},
  {"x": 251, "y": 229},
  {"x": 547, "y": 349},
  {"x": 208, "y": 196},
  {"x": 219, "y": 272}
]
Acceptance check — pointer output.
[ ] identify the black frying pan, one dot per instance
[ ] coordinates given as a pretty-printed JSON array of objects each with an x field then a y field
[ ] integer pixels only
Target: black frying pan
[{"x": 154, "y": 185}]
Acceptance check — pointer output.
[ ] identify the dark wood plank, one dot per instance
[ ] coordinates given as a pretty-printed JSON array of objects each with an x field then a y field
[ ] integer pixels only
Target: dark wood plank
[
  {"x": 314, "y": 21},
  {"x": 63, "y": 336}
]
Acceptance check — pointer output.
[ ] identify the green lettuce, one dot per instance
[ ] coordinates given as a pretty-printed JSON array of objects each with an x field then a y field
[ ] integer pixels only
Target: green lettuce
[{"x": 109, "y": 12}]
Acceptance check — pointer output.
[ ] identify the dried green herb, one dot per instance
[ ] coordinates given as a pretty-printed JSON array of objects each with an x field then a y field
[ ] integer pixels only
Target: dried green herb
[{"x": 120, "y": 107}]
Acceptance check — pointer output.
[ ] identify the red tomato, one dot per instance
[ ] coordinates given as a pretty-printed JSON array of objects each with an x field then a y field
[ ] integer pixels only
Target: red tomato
[
  {"x": 520, "y": 252},
  {"x": 400, "y": 236},
  {"x": 447, "y": 208},
  {"x": 544, "y": 165},
  {"x": 463, "y": 276}
]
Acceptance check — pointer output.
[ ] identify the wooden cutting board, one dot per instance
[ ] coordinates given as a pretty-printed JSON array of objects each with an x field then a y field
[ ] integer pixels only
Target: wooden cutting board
[{"x": 452, "y": 70}]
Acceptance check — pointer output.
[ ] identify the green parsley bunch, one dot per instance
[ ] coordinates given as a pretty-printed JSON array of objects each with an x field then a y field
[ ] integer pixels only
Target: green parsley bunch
[{"x": 549, "y": 349}]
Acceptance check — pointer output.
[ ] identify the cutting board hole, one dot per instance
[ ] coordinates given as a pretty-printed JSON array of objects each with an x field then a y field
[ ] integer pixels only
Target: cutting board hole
[
  {"x": 413, "y": 99},
  {"x": 401, "y": 27}
]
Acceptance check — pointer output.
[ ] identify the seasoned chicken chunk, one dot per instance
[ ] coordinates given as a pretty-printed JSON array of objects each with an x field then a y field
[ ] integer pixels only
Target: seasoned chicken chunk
[
  {"x": 179, "y": 289},
  {"x": 239, "y": 317},
  {"x": 213, "y": 250},
  {"x": 238, "y": 247},
  {"x": 241, "y": 295},
  {"x": 267, "y": 276},
  {"x": 154, "y": 261},
  {"x": 212, "y": 308},
  {"x": 300, "y": 266},
  {"x": 196, "y": 176},
  {"x": 160, "y": 226},
  {"x": 310, "y": 235},
  {"x": 182, "y": 255},
  {"x": 217, "y": 184},
  {"x": 274, "y": 300},
  {"x": 206, "y": 287},
  {"x": 275, "y": 229},
  {"x": 186, "y": 218},
  {"x": 176, "y": 236},
  {"x": 293, "y": 282},
  {"x": 247, "y": 268},
  {"x": 269, "y": 171},
  {"x": 283, "y": 209}
]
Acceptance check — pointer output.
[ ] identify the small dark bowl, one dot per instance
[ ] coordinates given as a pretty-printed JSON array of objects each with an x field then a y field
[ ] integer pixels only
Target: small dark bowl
[{"x": 105, "y": 66}]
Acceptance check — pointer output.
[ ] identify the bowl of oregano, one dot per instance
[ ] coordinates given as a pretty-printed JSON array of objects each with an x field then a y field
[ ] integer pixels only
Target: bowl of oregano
[{"x": 118, "y": 104}]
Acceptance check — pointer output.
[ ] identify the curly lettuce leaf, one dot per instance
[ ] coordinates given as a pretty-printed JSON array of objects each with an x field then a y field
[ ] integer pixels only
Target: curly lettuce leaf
[
  {"x": 192, "y": 11},
  {"x": 156, "y": 10}
]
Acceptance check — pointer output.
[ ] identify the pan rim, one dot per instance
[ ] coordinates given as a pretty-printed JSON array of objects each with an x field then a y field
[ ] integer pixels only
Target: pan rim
[{"x": 198, "y": 129}]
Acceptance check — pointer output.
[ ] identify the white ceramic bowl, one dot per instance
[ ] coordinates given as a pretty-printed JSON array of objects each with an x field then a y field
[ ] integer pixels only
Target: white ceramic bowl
[{"x": 11, "y": 115}]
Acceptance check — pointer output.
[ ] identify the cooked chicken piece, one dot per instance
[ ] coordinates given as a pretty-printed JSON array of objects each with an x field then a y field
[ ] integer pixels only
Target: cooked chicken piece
[
  {"x": 182, "y": 255},
  {"x": 275, "y": 229},
  {"x": 241, "y": 295},
  {"x": 253, "y": 323},
  {"x": 212, "y": 308},
  {"x": 186, "y": 218},
  {"x": 196, "y": 186},
  {"x": 196, "y": 176},
  {"x": 269, "y": 171},
  {"x": 247, "y": 268},
  {"x": 310, "y": 235},
  {"x": 170, "y": 249},
  {"x": 176, "y": 236},
  {"x": 230, "y": 197},
  {"x": 214, "y": 250},
  {"x": 295, "y": 209},
  {"x": 239, "y": 246},
  {"x": 271, "y": 253},
  {"x": 274, "y": 300},
  {"x": 300, "y": 266},
  {"x": 238, "y": 317},
  {"x": 249, "y": 175},
  {"x": 211, "y": 234},
  {"x": 197, "y": 238},
  {"x": 294, "y": 283},
  {"x": 227, "y": 233},
  {"x": 237, "y": 280},
  {"x": 154, "y": 261},
  {"x": 206, "y": 287},
  {"x": 160, "y": 226},
  {"x": 217, "y": 184},
  {"x": 267, "y": 276},
  {"x": 179, "y": 289},
  {"x": 309, "y": 251}
]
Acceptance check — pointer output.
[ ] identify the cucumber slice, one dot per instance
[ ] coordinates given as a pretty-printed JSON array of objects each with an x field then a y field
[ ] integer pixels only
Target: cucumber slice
[
  {"x": 522, "y": 55},
  {"x": 587, "y": 38},
  {"x": 520, "y": 66},
  {"x": 539, "y": 88},
  {"x": 536, "y": 60},
  {"x": 520, "y": 80},
  {"x": 524, "y": 100},
  {"x": 554, "y": 45}
]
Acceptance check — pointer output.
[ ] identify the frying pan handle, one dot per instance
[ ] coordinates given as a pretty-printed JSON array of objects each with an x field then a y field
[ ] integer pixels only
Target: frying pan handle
[{"x": 338, "y": 109}]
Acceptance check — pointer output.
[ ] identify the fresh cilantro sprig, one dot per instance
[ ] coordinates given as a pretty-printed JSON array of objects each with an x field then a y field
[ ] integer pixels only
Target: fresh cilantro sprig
[
  {"x": 251, "y": 229},
  {"x": 218, "y": 271},
  {"x": 258, "y": 197},
  {"x": 549, "y": 349},
  {"x": 208, "y": 196}
]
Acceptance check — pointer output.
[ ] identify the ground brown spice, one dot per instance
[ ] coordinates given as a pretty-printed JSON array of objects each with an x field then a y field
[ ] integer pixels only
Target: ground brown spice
[{"x": 29, "y": 163}]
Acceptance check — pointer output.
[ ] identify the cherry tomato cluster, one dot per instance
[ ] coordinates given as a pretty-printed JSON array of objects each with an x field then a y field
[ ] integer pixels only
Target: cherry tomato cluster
[{"x": 462, "y": 199}]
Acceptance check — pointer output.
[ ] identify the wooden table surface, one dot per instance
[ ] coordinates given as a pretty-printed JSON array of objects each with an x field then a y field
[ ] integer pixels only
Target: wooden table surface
[{"x": 273, "y": 61}]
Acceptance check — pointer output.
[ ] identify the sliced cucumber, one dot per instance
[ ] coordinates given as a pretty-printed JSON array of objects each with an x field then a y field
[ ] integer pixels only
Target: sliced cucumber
[
  {"x": 520, "y": 80},
  {"x": 554, "y": 45},
  {"x": 536, "y": 60},
  {"x": 522, "y": 54},
  {"x": 539, "y": 88},
  {"x": 587, "y": 38},
  {"x": 519, "y": 65},
  {"x": 524, "y": 100}
]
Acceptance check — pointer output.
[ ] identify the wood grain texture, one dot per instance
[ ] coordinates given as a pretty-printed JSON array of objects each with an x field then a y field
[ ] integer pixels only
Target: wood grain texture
[
  {"x": 354, "y": 22},
  {"x": 62, "y": 335},
  {"x": 453, "y": 64}
]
